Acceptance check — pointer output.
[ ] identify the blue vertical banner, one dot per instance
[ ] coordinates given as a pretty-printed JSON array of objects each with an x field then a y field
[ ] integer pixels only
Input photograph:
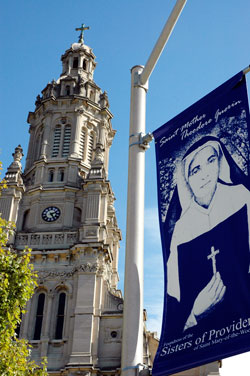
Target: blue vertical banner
[{"x": 203, "y": 166}]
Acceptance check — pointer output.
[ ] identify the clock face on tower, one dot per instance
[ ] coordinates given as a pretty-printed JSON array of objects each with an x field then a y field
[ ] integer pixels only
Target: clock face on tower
[{"x": 51, "y": 214}]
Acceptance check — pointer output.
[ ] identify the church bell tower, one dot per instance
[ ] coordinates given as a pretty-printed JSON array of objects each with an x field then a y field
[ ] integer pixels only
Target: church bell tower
[{"x": 63, "y": 206}]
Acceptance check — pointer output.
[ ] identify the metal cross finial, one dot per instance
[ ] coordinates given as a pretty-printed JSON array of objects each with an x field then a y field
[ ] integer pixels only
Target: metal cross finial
[
  {"x": 212, "y": 256},
  {"x": 82, "y": 28}
]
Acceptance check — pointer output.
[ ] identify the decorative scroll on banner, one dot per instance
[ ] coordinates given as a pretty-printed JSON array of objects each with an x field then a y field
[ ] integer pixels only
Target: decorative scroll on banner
[{"x": 203, "y": 172}]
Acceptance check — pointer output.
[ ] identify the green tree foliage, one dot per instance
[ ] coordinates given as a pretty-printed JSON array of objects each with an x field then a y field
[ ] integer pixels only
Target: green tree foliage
[{"x": 17, "y": 283}]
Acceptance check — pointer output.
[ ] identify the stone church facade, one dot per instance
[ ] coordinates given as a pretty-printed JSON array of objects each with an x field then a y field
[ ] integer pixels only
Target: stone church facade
[{"x": 63, "y": 207}]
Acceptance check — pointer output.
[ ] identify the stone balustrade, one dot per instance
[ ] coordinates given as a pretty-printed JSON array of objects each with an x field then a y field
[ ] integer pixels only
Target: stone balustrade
[{"x": 44, "y": 240}]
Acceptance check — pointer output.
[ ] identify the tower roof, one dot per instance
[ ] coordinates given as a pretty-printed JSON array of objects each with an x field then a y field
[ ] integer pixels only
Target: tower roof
[
  {"x": 77, "y": 77},
  {"x": 78, "y": 47}
]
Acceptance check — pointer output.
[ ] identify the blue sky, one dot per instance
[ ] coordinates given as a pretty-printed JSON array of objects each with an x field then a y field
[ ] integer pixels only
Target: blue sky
[{"x": 210, "y": 43}]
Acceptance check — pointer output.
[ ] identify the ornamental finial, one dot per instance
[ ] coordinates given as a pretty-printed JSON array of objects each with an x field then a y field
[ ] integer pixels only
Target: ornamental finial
[{"x": 82, "y": 28}]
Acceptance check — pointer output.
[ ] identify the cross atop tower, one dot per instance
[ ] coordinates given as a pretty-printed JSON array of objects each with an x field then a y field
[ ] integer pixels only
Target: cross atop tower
[{"x": 82, "y": 28}]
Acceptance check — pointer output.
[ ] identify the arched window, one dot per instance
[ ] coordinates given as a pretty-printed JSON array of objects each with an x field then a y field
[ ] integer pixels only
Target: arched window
[
  {"x": 92, "y": 95},
  {"x": 39, "y": 316},
  {"x": 61, "y": 175},
  {"x": 67, "y": 90},
  {"x": 75, "y": 62},
  {"x": 57, "y": 140},
  {"x": 90, "y": 147},
  {"x": 18, "y": 327},
  {"x": 82, "y": 142},
  {"x": 25, "y": 220},
  {"x": 51, "y": 176},
  {"x": 84, "y": 64},
  {"x": 60, "y": 316},
  {"x": 66, "y": 141},
  {"x": 77, "y": 217},
  {"x": 38, "y": 144},
  {"x": 33, "y": 177}
]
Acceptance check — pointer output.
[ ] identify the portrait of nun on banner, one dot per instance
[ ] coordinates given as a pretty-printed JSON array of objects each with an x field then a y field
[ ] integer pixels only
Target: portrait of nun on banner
[{"x": 203, "y": 164}]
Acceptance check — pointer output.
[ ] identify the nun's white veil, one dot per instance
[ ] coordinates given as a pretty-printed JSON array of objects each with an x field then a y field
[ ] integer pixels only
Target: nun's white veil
[{"x": 184, "y": 190}]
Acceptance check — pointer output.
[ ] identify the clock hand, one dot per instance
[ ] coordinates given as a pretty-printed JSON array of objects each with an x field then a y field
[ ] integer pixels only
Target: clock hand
[{"x": 49, "y": 214}]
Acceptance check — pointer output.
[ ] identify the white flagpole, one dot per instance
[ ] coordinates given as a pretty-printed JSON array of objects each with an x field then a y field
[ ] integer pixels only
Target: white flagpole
[{"x": 132, "y": 341}]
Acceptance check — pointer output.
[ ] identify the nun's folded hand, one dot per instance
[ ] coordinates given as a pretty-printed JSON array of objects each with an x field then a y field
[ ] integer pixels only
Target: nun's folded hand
[{"x": 208, "y": 297}]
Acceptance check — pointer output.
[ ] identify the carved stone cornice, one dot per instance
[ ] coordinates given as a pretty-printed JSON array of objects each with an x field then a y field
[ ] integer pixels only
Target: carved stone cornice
[{"x": 65, "y": 274}]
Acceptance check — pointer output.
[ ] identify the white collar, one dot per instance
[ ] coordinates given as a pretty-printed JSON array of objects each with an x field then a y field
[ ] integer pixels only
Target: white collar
[{"x": 212, "y": 203}]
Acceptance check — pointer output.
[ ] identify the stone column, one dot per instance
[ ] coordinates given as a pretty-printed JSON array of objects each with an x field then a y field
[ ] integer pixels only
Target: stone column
[
  {"x": 115, "y": 262},
  {"x": 25, "y": 322},
  {"x": 30, "y": 157},
  {"x": 106, "y": 160},
  {"x": 46, "y": 326},
  {"x": 46, "y": 134},
  {"x": 76, "y": 135},
  {"x": 83, "y": 319},
  {"x": 17, "y": 199},
  {"x": 96, "y": 319},
  {"x": 80, "y": 61},
  {"x": 101, "y": 138},
  {"x": 70, "y": 64},
  {"x": 48, "y": 314}
]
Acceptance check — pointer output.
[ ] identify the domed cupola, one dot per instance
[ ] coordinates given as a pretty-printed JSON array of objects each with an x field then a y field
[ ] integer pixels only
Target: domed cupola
[
  {"x": 70, "y": 129},
  {"x": 76, "y": 80},
  {"x": 78, "y": 65},
  {"x": 79, "y": 59}
]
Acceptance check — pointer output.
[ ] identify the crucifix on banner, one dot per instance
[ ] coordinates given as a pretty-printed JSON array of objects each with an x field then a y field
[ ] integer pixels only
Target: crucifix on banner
[{"x": 213, "y": 257}]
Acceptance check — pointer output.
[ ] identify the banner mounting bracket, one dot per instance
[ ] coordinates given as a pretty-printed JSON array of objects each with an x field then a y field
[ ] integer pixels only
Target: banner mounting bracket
[{"x": 246, "y": 70}]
